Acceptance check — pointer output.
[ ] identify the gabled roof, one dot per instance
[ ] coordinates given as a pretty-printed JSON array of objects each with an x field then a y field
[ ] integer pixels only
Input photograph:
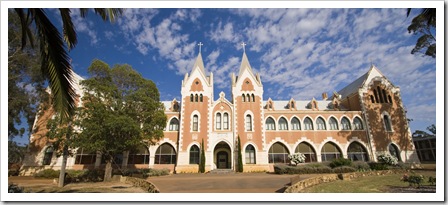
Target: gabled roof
[
  {"x": 302, "y": 105},
  {"x": 199, "y": 63},
  {"x": 245, "y": 65},
  {"x": 358, "y": 83}
]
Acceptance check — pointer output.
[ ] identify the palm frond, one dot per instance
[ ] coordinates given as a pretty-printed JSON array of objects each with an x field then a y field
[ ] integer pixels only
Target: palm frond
[
  {"x": 68, "y": 28},
  {"x": 108, "y": 14},
  {"x": 25, "y": 24}
]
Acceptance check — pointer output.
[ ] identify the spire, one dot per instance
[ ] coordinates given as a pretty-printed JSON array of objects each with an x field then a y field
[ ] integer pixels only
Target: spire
[
  {"x": 199, "y": 63},
  {"x": 244, "y": 62}
]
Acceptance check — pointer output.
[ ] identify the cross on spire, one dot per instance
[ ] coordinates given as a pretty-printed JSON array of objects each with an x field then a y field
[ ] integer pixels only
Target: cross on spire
[
  {"x": 244, "y": 47},
  {"x": 200, "y": 44}
]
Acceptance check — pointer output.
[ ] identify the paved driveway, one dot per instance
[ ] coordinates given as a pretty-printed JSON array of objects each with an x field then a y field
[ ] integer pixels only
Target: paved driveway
[{"x": 222, "y": 183}]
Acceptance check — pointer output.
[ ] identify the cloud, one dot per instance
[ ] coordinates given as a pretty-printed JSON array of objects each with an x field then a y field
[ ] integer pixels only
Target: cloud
[
  {"x": 223, "y": 33},
  {"x": 83, "y": 25}
]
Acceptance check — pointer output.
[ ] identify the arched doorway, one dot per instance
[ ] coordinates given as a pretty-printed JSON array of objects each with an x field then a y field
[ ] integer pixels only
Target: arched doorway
[{"x": 222, "y": 156}]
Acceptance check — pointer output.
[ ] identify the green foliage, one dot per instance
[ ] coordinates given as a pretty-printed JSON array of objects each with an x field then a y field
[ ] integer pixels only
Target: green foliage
[
  {"x": 14, "y": 188},
  {"x": 285, "y": 169},
  {"x": 240, "y": 156},
  {"x": 344, "y": 169},
  {"x": 432, "y": 180},
  {"x": 423, "y": 25},
  {"x": 16, "y": 153},
  {"x": 47, "y": 173},
  {"x": 361, "y": 166},
  {"x": 147, "y": 172},
  {"x": 413, "y": 180},
  {"x": 93, "y": 175},
  {"x": 340, "y": 162},
  {"x": 378, "y": 166},
  {"x": 202, "y": 158}
]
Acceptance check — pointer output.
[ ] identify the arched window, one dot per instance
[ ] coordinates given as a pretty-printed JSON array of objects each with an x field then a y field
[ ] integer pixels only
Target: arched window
[
  {"x": 194, "y": 154},
  {"x": 308, "y": 151},
  {"x": 48, "y": 155},
  {"x": 165, "y": 154},
  {"x": 390, "y": 99},
  {"x": 376, "y": 96},
  {"x": 248, "y": 123},
  {"x": 250, "y": 154},
  {"x": 333, "y": 124},
  {"x": 278, "y": 153},
  {"x": 196, "y": 98},
  {"x": 282, "y": 124},
  {"x": 320, "y": 124},
  {"x": 371, "y": 99},
  {"x": 357, "y": 123},
  {"x": 244, "y": 98},
  {"x": 253, "y": 98},
  {"x": 248, "y": 98},
  {"x": 308, "y": 124},
  {"x": 345, "y": 123},
  {"x": 84, "y": 156},
  {"x": 191, "y": 98},
  {"x": 330, "y": 151},
  {"x": 174, "y": 124},
  {"x": 139, "y": 155},
  {"x": 218, "y": 121},
  {"x": 195, "y": 123},
  {"x": 387, "y": 124},
  {"x": 357, "y": 152},
  {"x": 380, "y": 94},
  {"x": 200, "y": 98},
  {"x": 226, "y": 121},
  {"x": 295, "y": 124},
  {"x": 270, "y": 124},
  {"x": 393, "y": 150},
  {"x": 292, "y": 104},
  {"x": 384, "y": 95}
]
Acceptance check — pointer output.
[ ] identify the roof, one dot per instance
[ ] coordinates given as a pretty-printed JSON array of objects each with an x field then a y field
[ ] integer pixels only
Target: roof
[
  {"x": 302, "y": 104},
  {"x": 199, "y": 63},
  {"x": 354, "y": 86},
  {"x": 167, "y": 105}
]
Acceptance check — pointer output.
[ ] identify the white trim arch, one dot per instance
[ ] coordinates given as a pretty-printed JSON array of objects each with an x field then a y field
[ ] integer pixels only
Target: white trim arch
[
  {"x": 312, "y": 123},
  {"x": 275, "y": 122},
  {"x": 290, "y": 122},
  {"x": 305, "y": 139},
  {"x": 248, "y": 112},
  {"x": 361, "y": 120},
  {"x": 356, "y": 139},
  {"x": 244, "y": 151},
  {"x": 195, "y": 112},
  {"x": 325, "y": 122},
  {"x": 278, "y": 139},
  {"x": 287, "y": 123},
  {"x": 349, "y": 121},
  {"x": 385, "y": 113},
  {"x": 321, "y": 145},
  {"x": 337, "y": 121},
  {"x": 168, "y": 125},
  {"x": 400, "y": 151}
]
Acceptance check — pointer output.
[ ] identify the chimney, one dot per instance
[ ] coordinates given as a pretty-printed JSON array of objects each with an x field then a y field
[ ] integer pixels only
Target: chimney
[{"x": 324, "y": 96}]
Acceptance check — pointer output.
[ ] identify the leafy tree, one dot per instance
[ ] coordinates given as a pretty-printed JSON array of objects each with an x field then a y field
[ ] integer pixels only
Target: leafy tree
[
  {"x": 240, "y": 156},
  {"x": 54, "y": 59},
  {"x": 423, "y": 25},
  {"x": 202, "y": 162},
  {"x": 120, "y": 110},
  {"x": 432, "y": 129},
  {"x": 16, "y": 153},
  {"x": 420, "y": 133}
]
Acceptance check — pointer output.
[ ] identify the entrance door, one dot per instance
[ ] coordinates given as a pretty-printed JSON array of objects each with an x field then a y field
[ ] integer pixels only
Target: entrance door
[{"x": 222, "y": 158}]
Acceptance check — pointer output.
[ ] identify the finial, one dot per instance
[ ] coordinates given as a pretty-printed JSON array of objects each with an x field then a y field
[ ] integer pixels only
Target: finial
[
  {"x": 200, "y": 44},
  {"x": 244, "y": 47}
]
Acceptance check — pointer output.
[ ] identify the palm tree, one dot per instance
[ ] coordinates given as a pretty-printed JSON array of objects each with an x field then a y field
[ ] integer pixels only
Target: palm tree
[{"x": 55, "y": 61}]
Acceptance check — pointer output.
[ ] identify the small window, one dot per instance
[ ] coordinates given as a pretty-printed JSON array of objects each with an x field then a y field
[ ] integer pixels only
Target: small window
[
  {"x": 248, "y": 123},
  {"x": 226, "y": 121},
  {"x": 387, "y": 123},
  {"x": 282, "y": 124},
  {"x": 200, "y": 98},
  {"x": 357, "y": 124},
  {"x": 333, "y": 124},
  {"x": 194, "y": 154},
  {"x": 295, "y": 124},
  {"x": 248, "y": 98},
  {"x": 320, "y": 124},
  {"x": 250, "y": 154},
  {"x": 308, "y": 124},
  {"x": 196, "y": 98},
  {"x": 244, "y": 98},
  {"x": 174, "y": 124},
  {"x": 191, "y": 98},
  {"x": 270, "y": 124},
  {"x": 253, "y": 98},
  {"x": 48, "y": 155},
  {"x": 218, "y": 121},
  {"x": 345, "y": 124},
  {"x": 195, "y": 123}
]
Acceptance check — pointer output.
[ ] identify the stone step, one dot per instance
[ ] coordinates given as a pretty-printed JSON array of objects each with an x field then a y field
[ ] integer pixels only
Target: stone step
[{"x": 222, "y": 171}]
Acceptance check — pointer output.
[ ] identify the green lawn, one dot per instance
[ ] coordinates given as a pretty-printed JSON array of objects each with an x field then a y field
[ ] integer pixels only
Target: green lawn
[{"x": 369, "y": 184}]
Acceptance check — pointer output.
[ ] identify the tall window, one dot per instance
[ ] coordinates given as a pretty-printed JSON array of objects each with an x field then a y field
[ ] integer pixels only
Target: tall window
[
  {"x": 308, "y": 124},
  {"x": 278, "y": 153},
  {"x": 195, "y": 123},
  {"x": 165, "y": 154},
  {"x": 282, "y": 124},
  {"x": 320, "y": 124},
  {"x": 196, "y": 98},
  {"x": 357, "y": 124},
  {"x": 244, "y": 98},
  {"x": 139, "y": 156},
  {"x": 357, "y": 152},
  {"x": 248, "y": 123},
  {"x": 345, "y": 123},
  {"x": 226, "y": 121},
  {"x": 295, "y": 124},
  {"x": 250, "y": 154},
  {"x": 330, "y": 151},
  {"x": 191, "y": 98},
  {"x": 48, "y": 155},
  {"x": 201, "y": 98},
  {"x": 333, "y": 124},
  {"x": 248, "y": 97},
  {"x": 174, "y": 124},
  {"x": 387, "y": 123},
  {"x": 393, "y": 150},
  {"x": 253, "y": 98},
  {"x": 218, "y": 121},
  {"x": 194, "y": 154},
  {"x": 84, "y": 156},
  {"x": 308, "y": 151},
  {"x": 270, "y": 124}
]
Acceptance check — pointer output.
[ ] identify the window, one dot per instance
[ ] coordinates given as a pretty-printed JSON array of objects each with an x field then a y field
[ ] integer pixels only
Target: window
[
  {"x": 295, "y": 124},
  {"x": 330, "y": 151},
  {"x": 194, "y": 154},
  {"x": 357, "y": 123},
  {"x": 390, "y": 99},
  {"x": 278, "y": 153},
  {"x": 139, "y": 155},
  {"x": 357, "y": 152},
  {"x": 165, "y": 154},
  {"x": 244, "y": 98},
  {"x": 308, "y": 124},
  {"x": 308, "y": 151},
  {"x": 250, "y": 154},
  {"x": 282, "y": 124},
  {"x": 191, "y": 98},
  {"x": 253, "y": 98},
  {"x": 345, "y": 123},
  {"x": 371, "y": 99},
  {"x": 320, "y": 124},
  {"x": 248, "y": 98},
  {"x": 248, "y": 123},
  {"x": 292, "y": 104},
  {"x": 200, "y": 98},
  {"x": 226, "y": 121},
  {"x": 270, "y": 124},
  {"x": 387, "y": 123},
  {"x": 85, "y": 157},
  {"x": 174, "y": 124},
  {"x": 393, "y": 150},
  {"x": 196, "y": 97},
  {"x": 333, "y": 124},
  {"x": 48, "y": 155},
  {"x": 195, "y": 123},
  {"x": 218, "y": 121}
]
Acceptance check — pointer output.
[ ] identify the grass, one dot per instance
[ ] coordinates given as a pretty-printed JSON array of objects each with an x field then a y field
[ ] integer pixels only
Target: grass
[{"x": 369, "y": 184}]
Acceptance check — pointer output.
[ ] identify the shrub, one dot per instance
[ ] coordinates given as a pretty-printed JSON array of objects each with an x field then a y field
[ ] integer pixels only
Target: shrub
[
  {"x": 360, "y": 166},
  {"x": 13, "y": 172},
  {"x": 413, "y": 180},
  {"x": 402, "y": 165},
  {"x": 48, "y": 174},
  {"x": 340, "y": 162},
  {"x": 94, "y": 175},
  {"x": 432, "y": 180},
  {"x": 14, "y": 188},
  {"x": 156, "y": 172},
  {"x": 297, "y": 158},
  {"x": 387, "y": 159},
  {"x": 285, "y": 169},
  {"x": 280, "y": 169},
  {"x": 378, "y": 166},
  {"x": 344, "y": 169}
]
